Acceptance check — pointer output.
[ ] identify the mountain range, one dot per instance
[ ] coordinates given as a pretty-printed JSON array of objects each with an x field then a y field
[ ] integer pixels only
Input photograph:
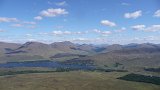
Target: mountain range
[{"x": 128, "y": 56}]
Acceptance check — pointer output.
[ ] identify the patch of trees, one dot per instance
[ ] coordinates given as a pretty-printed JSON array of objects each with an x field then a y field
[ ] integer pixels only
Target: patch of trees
[
  {"x": 141, "y": 78},
  {"x": 152, "y": 69},
  {"x": 78, "y": 62}
]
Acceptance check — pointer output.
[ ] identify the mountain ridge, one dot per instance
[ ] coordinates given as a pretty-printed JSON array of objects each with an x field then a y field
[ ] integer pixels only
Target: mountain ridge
[{"x": 105, "y": 53}]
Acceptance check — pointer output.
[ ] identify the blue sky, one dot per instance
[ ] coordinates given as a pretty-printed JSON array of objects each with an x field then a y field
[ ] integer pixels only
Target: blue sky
[{"x": 80, "y": 21}]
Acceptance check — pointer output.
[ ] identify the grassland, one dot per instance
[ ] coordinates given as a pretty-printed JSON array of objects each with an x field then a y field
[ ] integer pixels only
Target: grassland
[{"x": 75, "y": 80}]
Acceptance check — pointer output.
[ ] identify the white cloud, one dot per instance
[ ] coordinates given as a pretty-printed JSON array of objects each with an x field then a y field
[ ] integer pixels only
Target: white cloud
[
  {"x": 97, "y": 31},
  {"x": 103, "y": 33},
  {"x": 152, "y": 28},
  {"x": 157, "y": 13},
  {"x": 5, "y": 19},
  {"x": 42, "y": 33},
  {"x": 63, "y": 3},
  {"x": 145, "y": 39},
  {"x": 26, "y": 22},
  {"x": 138, "y": 27},
  {"x": 133, "y": 15},
  {"x": 17, "y": 25},
  {"x": 125, "y": 4},
  {"x": 89, "y": 40},
  {"x": 38, "y": 18},
  {"x": 31, "y": 26},
  {"x": 108, "y": 23},
  {"x": 120, "y": 30},
  {"x": 151, "y": 38},
  {"x": 78, "y": 32},
  {"x": 52, "y": 12},
  {"x": 1, "y": 30},
  {"x": 61, "y": 32},
  {"x": 106, "y": 32},
  {"x": 59, "y": 27},
  {"x": 29, "y": 35},
  {"x": 67, "y": 32},
  {"x": 80, "y": 40},
  {"x": 49, "y": 2},
  {"x": 32, "y": 40}
]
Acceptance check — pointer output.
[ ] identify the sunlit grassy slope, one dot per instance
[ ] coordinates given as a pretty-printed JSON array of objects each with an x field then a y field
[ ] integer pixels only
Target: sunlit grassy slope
[{"x": 77, "y": 80}]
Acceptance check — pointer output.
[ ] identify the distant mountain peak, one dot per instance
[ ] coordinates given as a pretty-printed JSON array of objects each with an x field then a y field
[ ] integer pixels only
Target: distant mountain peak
[{"x": 64, "y": 42}]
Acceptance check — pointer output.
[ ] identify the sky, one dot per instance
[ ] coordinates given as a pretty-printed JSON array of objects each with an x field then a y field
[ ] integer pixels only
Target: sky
[{"x": 80, "y": 21}]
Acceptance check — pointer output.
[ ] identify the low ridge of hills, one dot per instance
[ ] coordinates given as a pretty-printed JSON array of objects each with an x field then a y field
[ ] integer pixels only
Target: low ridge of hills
[
  {"x": 38, "y": 50},
  {"x": 132, "y": 57}
]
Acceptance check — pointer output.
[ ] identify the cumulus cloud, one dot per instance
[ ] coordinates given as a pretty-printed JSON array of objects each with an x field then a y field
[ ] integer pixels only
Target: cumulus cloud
[
  {"x": 53, "y": 12},
  {"x": 32, "y": 40},
  {"x": 27, "y": 22},
  {"x": 78, "y": 32},
  {"x": 17, "y": 25},
  {"x": 157, "y": 13},
  {"x": 108, "y": 23},
  {"x": 120, "y": 30},
  {"x": 151, "y": 38},
  {"x": 106, "y": 32},
  {"x": 16, "y": 22},
  {"x": 63, "y": 3},
  {"x": 80, "y": 40},
  {"x": 145, "y": 39},
  {"x": 125, "y": 4},
  {"x": 152, "y": 28},
  {"x": 1, "y": 30},
  {"x": 58, "y": 27},
  {"x": 61, "y": 32},
  {"x": 6, "y": 19},
  {"x": 138, "y": 27},
  {"x": 97, "y": 31},
  {"x": 68, "y": 33},
  {"x": 133, "y": 15},
  {"x": 29, "y": 35},
  {"x": 31, "y": 26},
  {"x": 89, "y": 40},
  {"x": 38, "y": 18},
  {"x": 42, "y": 33},
  {"x": 49, "y": 2},
  {"x": 103, "y": 33},
  {"x": 84, "y": 40}
]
